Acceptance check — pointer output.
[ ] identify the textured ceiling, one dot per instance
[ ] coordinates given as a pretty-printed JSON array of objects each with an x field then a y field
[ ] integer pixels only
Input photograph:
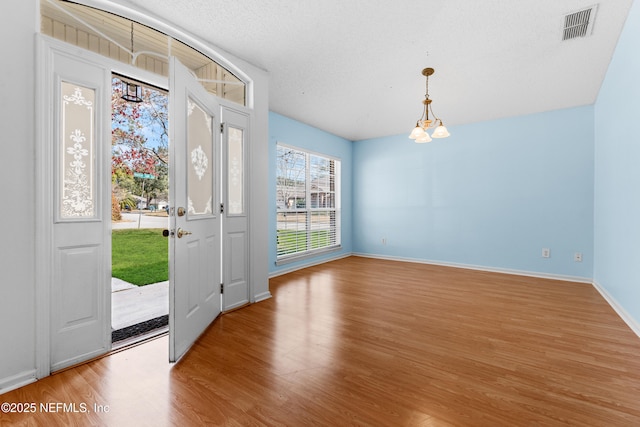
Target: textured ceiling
[{"x": 353, "y": 68}]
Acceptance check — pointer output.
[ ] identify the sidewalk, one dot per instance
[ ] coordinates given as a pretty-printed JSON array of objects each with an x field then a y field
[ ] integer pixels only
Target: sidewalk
[
  {"x": 132, "y": 304},
  {"x": 140, "y": 220}
]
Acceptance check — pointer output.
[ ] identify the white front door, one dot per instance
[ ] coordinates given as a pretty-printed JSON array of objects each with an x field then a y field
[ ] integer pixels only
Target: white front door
[
  {"x": 194, "y": 248},
  {"x": 74, "y": 255},
  {"x": 74, "y": 206}
]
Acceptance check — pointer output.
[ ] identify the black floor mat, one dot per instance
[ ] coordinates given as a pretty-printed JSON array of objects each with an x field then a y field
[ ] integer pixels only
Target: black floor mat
[{"x": 140, "y": 328}]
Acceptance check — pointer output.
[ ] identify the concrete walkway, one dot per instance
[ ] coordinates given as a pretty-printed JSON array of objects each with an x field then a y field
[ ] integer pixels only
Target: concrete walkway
[{"x": 131, "y": 304}]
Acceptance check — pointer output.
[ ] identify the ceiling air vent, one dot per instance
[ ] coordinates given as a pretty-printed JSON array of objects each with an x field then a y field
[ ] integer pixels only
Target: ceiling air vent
[{"x": 579, "y": 24}]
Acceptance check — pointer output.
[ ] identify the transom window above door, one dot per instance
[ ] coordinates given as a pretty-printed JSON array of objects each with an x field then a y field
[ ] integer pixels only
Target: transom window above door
[{"x": 136, "y": 44}]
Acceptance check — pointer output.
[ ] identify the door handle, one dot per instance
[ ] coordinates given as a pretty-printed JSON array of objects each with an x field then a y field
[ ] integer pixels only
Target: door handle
[{"x": 182, "y": 232}]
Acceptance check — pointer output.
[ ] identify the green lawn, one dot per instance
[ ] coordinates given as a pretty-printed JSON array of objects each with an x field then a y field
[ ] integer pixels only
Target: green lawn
[
  {"x": 140, "y": 256},
  {"x": 288, "y": 240}
]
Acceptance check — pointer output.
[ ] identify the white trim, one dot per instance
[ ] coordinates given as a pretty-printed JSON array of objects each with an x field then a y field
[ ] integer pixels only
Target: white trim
[
  {"x": 299, "y": 256},
  {"x": 626, "y": 317},
  {"x": 565, "y": 278},
  {"x": 43, "y": 203},
  {"x": 262, "y": 296},
  {"x": 16, "y": 381},
  {"x": 308, "y": 264},
  {"x": 304, "y": 150}
]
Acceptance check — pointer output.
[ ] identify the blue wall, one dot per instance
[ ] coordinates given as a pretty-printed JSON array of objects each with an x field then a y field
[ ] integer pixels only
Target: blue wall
[
  {"x": 296, "y": 134},
  {"x": 617, "y": 173},
  {"x": 493, "y": 194},
  {"x": 473, "y": 199}
]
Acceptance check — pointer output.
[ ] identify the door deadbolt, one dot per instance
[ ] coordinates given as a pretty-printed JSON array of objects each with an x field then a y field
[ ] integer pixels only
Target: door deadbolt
[{"x": 181, "y": 211}]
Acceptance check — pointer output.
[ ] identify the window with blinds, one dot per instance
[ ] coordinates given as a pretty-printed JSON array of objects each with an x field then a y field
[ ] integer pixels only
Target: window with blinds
[{"x": 308, "y": 203}]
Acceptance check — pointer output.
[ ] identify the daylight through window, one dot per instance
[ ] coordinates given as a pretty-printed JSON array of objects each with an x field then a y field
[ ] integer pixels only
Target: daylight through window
[{"x": 308, "y": 203}]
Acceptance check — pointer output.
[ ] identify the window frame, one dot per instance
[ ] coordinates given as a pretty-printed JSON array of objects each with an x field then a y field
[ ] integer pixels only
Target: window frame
[
  {"x": 101, "y": 35},
  {"x": 310, "y": 208}
]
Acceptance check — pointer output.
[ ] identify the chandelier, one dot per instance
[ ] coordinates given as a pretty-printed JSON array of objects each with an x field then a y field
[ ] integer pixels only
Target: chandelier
[{"x": 419, "y": 133}]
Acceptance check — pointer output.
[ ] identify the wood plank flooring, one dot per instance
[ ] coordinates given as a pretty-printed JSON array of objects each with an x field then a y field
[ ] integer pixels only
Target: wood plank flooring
[{"x": 373, "y": 343}]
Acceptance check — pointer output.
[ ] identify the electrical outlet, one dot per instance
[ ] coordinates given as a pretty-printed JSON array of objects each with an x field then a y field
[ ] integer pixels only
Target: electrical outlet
[
  {"x": 577, "y": 257},
  {"x": 546, "y": 253},
  {"x": 384, "y": 241}
]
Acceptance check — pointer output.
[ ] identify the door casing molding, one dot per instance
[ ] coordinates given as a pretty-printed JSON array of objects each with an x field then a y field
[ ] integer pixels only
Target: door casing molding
[{"x": 44, "y": 159}]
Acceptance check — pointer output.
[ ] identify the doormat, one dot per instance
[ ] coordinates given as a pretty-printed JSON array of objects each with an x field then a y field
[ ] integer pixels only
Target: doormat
[{"x": 140, "y": 328}]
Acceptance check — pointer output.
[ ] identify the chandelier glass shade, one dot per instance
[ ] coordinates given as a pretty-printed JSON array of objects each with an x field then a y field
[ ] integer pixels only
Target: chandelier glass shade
[{"x": 419, "y": 133}]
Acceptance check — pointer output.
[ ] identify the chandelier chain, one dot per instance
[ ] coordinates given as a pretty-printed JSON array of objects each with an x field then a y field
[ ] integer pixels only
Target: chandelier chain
[
  {"x": 426, "y": 95},
  {"x": 132, "y": 40}
]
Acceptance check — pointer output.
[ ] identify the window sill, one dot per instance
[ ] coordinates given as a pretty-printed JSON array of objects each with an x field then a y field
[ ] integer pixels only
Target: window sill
[{"x": 288, "y": 259}]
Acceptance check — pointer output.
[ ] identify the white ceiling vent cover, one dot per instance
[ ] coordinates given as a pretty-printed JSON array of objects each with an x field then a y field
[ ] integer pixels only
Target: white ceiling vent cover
[{"x": 579, "y": 24}]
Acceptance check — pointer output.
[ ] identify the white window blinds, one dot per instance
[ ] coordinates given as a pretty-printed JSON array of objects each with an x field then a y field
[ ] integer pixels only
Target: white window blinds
[{"x": 308, "y": 202}]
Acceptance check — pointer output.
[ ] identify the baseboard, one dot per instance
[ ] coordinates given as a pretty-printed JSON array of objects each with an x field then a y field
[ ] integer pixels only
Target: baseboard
[
  {"x": 17, "y": 381},
  {"x": 262, "y": 296},
  {"x": 565, "y": 278},
  {"x": 307, "y": 264},
  {"x": 626, "y": 317}
]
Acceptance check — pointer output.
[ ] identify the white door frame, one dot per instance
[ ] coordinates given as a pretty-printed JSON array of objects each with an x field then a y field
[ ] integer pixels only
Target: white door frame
[
  {"x": 43, "y": 174},
  {"x": 47, "y": 118},
  {"x": 44, "y": 171}
]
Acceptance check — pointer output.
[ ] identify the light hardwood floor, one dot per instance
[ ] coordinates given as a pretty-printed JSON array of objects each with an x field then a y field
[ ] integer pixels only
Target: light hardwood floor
[{"x": 369, "y": 342}]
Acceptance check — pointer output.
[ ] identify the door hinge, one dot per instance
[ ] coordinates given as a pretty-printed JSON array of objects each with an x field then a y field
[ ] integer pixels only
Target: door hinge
[
  {"x": 222, "y": 288},
  {"x": 221, "y": 207}
]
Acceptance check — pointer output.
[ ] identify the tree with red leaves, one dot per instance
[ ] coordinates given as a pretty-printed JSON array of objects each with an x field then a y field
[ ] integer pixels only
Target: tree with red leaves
[{"x": 139, "y": 143}]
